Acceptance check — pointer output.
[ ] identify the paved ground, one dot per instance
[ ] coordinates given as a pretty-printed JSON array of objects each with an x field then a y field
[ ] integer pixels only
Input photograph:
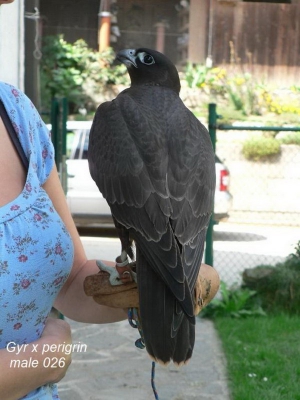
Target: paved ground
[{"x": 112, "y": 368}]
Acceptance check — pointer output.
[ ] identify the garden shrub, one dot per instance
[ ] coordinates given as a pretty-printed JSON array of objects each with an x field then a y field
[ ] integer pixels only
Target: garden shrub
[
  {"x": 290, "y": 138},
  {"x": 67, "y": 69},
  {"x": 234, "y": 302},
  {"x": 277, "y": 287},
  {"x": 260, "y": 148},
  {"x": 266, "y": 289}
]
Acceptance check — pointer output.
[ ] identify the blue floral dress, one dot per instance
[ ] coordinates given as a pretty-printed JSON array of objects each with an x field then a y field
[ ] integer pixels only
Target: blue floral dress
[{"x": 36, "y": 251}]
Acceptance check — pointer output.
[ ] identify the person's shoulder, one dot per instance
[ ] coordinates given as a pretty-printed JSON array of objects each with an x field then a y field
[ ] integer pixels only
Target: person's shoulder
[
  {"x": 8, "y": 87},
  {"x": 10, "y": 91}
]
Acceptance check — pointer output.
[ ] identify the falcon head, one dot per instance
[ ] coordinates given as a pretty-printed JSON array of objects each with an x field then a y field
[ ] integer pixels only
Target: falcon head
[{"x": 149, "y": 67}]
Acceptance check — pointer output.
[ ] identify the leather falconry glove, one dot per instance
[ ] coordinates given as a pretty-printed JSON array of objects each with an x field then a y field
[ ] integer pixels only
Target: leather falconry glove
[{"x": 116, "y": 286}]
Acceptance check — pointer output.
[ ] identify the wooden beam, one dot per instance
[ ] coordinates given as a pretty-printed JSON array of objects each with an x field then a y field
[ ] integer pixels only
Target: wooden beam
[
  {"x": 198, "y": 31},
  {"x": 104, "y": 30}
]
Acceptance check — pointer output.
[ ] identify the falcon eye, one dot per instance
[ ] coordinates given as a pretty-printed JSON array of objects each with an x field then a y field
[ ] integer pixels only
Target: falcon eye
[{"x": 146, "y": 58}]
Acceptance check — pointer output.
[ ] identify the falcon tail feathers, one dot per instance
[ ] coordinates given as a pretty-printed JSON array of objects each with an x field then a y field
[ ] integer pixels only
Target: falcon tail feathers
[{"x": 168, "y": 333}]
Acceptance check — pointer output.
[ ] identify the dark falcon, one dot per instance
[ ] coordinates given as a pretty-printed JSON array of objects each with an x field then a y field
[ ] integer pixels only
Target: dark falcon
[{"x": 154, "y": 164}]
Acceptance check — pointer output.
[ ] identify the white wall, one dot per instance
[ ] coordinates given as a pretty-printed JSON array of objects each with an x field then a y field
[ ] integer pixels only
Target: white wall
[{"x": 12, "y": 43}]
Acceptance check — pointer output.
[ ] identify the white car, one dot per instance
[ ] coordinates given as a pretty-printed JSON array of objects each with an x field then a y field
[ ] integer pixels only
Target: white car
[{"x": 86, "y": 203}]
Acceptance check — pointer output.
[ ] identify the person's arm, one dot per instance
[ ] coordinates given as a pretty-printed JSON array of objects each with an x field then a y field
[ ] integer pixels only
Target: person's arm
[
  {"x": 35, "y": 365},
  {"x": 72, "y": 301}
]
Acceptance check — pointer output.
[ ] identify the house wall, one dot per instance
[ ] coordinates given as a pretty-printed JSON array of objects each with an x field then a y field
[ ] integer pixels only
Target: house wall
[
  {"x": 32, "y": 52},
  {"x": 198, "y": 49},
  {"x": 12, "y": 43},
  {"x": 74, "y": 19},
  {"x": 264, "y": 37},
  {"x": 136, "y": 20}
]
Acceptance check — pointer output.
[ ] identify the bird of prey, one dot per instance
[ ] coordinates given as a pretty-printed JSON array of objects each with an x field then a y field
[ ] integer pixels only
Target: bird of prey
[{"x": 153, "y": 162}]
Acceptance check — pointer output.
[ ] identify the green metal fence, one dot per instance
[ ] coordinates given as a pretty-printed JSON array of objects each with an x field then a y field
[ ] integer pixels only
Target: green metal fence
[{"x": 263, "y": 227}]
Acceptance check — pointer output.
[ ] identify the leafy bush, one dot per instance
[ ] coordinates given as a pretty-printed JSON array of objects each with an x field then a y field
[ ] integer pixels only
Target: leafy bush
[
  {"x": 238, "y": 88},
  {"x": 277, "y": 288},
  {"x": 295, "y": 88},
  {"x": 195, "y": 75},
  {"x": 63, "y": 70},
  {"x": 67, "y": 69},
  {"x": 233, "y": 303},
  {"x": 290, "y": 138},
  {"x": 296, "y": 255},
  {"x": 244, "y": 93},
  {"x": 103, "y": 71},
  {"x": 260, "y": 148},
  {"x": 209, "y": 80}
]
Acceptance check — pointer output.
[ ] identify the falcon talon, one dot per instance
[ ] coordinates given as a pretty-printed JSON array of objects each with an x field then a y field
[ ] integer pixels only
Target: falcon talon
[
  {"x": 126, "y": 277},
  {"x": 125, "y": 273}
]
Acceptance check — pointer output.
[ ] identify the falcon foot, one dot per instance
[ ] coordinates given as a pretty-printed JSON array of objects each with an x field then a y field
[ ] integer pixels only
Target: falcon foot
[
  {"x": 114, "y": 277},
  {"x": 115, "y": 294},
  {"x": 122, "y": 273},
  {"x": 125, "y": 269}
]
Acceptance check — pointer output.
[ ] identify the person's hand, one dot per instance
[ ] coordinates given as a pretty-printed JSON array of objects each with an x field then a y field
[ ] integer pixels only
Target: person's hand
[{"x": 57, "y": 333}]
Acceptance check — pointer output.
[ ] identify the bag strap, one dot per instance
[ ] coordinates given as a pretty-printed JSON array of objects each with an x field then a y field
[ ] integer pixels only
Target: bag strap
[{"x": 12, "y": 133}]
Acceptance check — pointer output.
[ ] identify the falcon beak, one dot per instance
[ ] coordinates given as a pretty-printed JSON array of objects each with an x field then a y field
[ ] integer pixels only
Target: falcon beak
[{"x": 127, "y": 57}]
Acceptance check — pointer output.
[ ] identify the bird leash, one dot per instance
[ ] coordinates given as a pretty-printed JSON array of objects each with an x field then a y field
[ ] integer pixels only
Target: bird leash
[
  {"x": 123, "y": 274},
  {"x": 133, "y": 319},
  {"x": 126, "y": 274}
]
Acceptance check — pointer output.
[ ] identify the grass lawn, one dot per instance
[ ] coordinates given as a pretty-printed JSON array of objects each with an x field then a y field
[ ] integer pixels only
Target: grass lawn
[{"x": 263, "y": 356}]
